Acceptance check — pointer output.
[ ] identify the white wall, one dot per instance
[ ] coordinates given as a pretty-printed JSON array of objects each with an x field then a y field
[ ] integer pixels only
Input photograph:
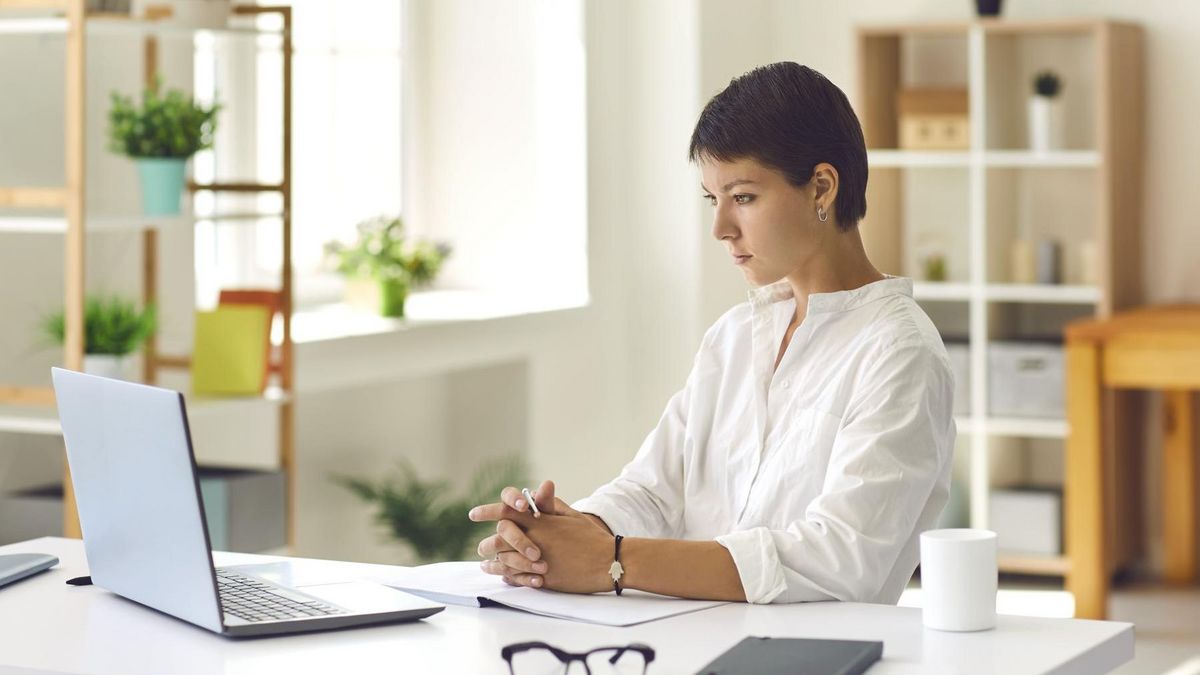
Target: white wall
[{"x": 595, "y": 379}]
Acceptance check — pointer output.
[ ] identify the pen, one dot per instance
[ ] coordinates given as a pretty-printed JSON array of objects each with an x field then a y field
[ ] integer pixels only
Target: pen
[{"x": 532, "y": 504}]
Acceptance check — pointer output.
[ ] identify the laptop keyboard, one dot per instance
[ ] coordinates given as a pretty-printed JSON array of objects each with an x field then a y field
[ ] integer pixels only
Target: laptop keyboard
[{"x": 256, "y": 600}]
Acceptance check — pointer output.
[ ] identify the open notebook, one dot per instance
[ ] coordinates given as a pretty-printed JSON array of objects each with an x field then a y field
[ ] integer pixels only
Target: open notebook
[{"x": 463, "y": 583}]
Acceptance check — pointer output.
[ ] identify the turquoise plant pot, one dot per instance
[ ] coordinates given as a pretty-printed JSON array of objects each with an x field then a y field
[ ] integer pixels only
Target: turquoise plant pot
[{"x": 162, "y": 181}]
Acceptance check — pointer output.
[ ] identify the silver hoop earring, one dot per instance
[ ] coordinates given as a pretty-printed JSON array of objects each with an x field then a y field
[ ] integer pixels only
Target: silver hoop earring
[{"x": 822, "y": 214}]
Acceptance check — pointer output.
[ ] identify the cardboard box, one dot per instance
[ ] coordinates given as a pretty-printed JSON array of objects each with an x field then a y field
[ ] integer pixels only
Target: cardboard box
[{"x": 933, "y": 119}]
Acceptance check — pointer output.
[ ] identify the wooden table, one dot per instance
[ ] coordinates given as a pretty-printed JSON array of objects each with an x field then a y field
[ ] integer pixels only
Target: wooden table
[{"x": 1148, "y": 348}]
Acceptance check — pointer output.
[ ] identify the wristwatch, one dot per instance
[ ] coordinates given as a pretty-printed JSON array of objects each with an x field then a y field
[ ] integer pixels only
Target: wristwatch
[{"x": 616, "y": 571}]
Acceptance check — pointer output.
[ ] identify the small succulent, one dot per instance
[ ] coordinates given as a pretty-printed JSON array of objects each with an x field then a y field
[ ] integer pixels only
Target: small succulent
[{"x": 1047, "y": 83}]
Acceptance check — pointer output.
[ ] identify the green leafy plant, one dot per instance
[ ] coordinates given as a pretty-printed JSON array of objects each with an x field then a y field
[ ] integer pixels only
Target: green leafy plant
[
  {"x": 110, "y": 326},
  {"x": 1047, "y": 83},
  {"x": 381, "y": 251},
  {"x": 170, "y": 125},
  {"x": 425, "y": 515}
]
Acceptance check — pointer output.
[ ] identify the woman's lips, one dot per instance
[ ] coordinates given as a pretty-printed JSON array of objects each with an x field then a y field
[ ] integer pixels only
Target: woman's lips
[{"x": 741, "y": 259}]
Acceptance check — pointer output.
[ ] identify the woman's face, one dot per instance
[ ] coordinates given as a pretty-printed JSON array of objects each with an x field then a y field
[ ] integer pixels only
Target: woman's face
[{"x": 769, "y": 226}]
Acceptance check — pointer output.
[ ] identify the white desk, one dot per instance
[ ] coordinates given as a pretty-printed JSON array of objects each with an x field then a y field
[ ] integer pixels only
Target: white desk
[{"x": 49, "y": 626}]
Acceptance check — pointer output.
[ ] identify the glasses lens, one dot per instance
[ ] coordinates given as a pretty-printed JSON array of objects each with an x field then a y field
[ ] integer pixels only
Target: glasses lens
[
  {"x": 538, "y": 662},
  {"x": 616, "y": 662}
]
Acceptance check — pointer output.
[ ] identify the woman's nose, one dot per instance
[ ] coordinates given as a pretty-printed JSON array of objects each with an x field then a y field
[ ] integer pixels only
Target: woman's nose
[{"x": 723, "y": 226}]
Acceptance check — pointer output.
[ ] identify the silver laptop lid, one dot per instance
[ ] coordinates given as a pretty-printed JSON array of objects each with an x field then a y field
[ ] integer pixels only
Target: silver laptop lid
[{"x": 137, "y": 495}]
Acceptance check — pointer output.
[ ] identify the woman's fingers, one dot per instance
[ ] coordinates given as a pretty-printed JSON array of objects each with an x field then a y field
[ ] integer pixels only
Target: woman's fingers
[
  {"x": 517, "y": 539},
  {"x": 512, "y": 497},
  {"x": 491, "y": 545},
  {"x": 512, "y": 576},
  {"x": 497, "y": 511},
  {"x": 531, "y": 580},
  {"x": 518, "y": 563}
]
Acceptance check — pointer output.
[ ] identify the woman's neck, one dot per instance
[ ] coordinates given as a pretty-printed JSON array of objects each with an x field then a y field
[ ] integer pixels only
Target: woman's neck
[{"x": 840, "y": 265}]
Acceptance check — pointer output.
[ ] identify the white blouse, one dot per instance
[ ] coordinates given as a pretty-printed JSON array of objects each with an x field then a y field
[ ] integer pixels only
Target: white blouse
[{"x": 818, "y": 478}]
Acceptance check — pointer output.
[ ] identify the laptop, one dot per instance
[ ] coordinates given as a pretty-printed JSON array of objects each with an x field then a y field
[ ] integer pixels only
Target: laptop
[{"x": 144, "y": 530}]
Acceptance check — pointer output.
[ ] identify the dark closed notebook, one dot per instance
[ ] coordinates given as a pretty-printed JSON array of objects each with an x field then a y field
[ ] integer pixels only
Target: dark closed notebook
[{"x": 795, "y": 656}]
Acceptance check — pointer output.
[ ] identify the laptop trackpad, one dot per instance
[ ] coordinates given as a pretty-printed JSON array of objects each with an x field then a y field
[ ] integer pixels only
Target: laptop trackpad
[{"x": 365, "y": 596}]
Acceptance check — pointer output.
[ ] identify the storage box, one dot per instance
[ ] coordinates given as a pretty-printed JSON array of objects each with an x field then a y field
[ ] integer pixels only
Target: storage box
[
  {"x": 960, "y": 364},
  {"x": 31, "y": 513},
  {"x": 245, "y": 510},
  {"x": 1027, "y": 520},
  {"x": 933, "y": 119},
  {"x": 1025, "y": 379}
]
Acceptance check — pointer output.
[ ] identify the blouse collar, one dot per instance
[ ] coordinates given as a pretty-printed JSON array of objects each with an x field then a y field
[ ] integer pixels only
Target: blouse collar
[{"x": 836, "y": 301}]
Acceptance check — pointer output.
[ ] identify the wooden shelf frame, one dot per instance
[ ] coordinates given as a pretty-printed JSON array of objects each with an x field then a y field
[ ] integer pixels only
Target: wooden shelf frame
[
  {"x": 1113, "y": 158},
  {"x": 71, "y": 200}
]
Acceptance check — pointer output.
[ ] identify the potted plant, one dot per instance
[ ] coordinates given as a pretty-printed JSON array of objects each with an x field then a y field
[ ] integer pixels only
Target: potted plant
[
  {"x": 384, "y": 258},
  {"x": 424, "y": 515},
  {"x": 113, "y": 328},
  {"x": 1045, "y": 113},
  {"x": 160, "y": 135}
]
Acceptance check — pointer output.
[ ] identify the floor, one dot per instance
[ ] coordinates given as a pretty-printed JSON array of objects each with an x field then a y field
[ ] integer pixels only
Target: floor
[{"x": 1166, "y": 621}]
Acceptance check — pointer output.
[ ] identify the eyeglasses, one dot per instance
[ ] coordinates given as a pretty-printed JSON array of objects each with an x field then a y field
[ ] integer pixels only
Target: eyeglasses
[{"x": 539, "y": 658}]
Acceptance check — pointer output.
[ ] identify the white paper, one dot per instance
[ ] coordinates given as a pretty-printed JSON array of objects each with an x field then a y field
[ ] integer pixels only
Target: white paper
[{"x": 463, "y": 583}]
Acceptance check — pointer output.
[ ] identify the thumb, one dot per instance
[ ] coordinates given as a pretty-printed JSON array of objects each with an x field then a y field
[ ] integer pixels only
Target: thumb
[{"x": 545, "y": 497}]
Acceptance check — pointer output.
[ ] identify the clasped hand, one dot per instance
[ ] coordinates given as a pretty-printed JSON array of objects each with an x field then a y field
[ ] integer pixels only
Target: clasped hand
[{"x": 562, "y": 549}]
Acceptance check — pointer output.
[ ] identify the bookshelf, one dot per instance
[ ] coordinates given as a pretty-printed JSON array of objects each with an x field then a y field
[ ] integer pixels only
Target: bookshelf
[
  {"x": 60, "y": 211},
  {"x": 972, "y": 203}
]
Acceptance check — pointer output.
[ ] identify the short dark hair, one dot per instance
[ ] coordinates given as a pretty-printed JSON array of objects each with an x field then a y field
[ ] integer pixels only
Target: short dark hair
[{"x": 788, "y": 117}]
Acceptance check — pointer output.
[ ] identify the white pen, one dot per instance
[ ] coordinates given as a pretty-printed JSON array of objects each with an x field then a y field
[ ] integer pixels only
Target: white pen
[{"x": 532, "y": 504}]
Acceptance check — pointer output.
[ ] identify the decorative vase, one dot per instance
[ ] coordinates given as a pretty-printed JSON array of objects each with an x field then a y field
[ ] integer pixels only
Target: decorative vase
[
  {"x": 1045, "y": 124},
  {"x": 115, "y": 366},
  {"x": 162, "y": 180},
  {"x": 988, "y": 7},
  {"x": 392, "y": 294}
]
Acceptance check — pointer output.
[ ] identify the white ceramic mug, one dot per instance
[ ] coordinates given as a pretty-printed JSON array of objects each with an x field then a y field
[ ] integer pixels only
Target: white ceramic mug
[{"x": 958, "y": 579}]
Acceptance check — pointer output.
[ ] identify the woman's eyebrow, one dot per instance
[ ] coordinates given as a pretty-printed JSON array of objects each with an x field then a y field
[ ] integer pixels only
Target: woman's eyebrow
[{"x": 731, "y": 184}]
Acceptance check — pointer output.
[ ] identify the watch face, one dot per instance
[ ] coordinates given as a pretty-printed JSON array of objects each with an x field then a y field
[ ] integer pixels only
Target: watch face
[{"x": 615, "y": 571}]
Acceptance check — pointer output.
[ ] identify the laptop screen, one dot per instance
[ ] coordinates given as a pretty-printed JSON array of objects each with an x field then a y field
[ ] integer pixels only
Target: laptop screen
[{"x": 139, "y": 504}]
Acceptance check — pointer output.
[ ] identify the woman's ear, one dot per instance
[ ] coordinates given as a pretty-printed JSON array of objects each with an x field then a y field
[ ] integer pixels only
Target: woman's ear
[{"x": 825, "y": 181}]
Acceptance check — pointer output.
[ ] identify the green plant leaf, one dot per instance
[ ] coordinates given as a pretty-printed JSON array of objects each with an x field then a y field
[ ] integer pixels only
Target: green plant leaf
[
  {"x": 424, "y": 514},
  {"x": 173, "y": 125},
  {"x": 111, "y": 325}
]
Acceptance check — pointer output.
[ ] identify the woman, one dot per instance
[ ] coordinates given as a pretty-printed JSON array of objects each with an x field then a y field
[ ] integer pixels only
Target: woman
[{"x": 812, "y": 442}]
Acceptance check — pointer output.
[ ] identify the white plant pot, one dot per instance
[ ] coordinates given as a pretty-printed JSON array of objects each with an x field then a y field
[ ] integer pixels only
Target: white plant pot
[
  {"x": 1046, "y": 124},
  {"x": 107, "y": 365}
]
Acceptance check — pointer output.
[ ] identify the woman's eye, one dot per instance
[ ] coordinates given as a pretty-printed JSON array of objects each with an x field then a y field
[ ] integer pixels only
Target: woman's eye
[
  {"x": 711, "y": 199},
  {"x": 743, "y": 199}
]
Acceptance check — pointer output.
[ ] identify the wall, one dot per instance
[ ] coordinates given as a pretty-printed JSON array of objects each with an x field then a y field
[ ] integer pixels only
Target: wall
[{"x": 595, "y": 379}]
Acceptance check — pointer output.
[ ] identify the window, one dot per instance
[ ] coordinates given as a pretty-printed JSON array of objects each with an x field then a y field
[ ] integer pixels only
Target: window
[
  {"x": 346, "y": 142},
  {"x": 482, "y": 106}
]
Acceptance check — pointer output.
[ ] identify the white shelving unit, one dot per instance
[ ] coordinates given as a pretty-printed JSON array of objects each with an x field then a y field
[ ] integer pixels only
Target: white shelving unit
[{"x": 974, "y": 202}]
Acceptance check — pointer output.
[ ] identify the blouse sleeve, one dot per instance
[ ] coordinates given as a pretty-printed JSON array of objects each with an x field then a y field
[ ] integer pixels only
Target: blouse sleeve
[
  {"x": 646, "y": 499},
  {"x": 889, "y": 464}
]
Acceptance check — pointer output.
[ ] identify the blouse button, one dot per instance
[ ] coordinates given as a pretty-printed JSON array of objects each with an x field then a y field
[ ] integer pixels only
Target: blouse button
[{"x": 786, "y": 383}]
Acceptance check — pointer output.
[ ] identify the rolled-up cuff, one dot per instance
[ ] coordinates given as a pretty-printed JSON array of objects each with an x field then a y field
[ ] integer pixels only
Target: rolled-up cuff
[
  {"x": 618, "y": 520},
  {"x": 757, "y": 563}
]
